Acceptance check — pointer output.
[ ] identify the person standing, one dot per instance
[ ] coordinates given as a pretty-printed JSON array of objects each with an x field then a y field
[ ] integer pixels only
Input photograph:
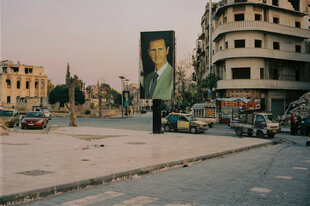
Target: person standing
[{"x": 293, "y": 124}]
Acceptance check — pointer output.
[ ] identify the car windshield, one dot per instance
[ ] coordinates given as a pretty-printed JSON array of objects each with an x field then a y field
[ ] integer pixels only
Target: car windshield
[
  {"x": 34, "y": 114},
  {"x": 191, "y": 118},
  {"x": 6, "y": 113},
  {"x": 271, "y": 118}
]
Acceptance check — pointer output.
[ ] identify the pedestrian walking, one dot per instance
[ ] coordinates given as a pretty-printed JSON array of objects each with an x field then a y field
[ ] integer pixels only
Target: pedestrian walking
[{"x": 293, "y": 124}]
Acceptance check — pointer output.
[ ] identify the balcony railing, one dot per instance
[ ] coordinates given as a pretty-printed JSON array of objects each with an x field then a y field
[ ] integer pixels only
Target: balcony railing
[
  {"x": 260, "y": 26},
  {"x": 260, "y": 53},
  {"x": 262, "y": 84}
]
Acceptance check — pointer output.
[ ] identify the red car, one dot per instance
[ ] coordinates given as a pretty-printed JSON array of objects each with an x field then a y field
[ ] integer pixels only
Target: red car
[{"x": 34, "y": 120}]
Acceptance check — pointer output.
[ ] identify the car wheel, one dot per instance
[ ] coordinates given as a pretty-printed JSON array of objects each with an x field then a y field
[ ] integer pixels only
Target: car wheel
[
  {"x": 23, "y": 127},
  {"x": 193, "y": 130},
  {"x": 167, "y": 128},
  {"x": 298, "y": 132},
  {"x": 271, "y": 135},
  {"x": 210, "y": 125},
  {"x": 250, "y": 134},
  {"x": 17, "y": 124},
  {"x": 260, "y": 134}
]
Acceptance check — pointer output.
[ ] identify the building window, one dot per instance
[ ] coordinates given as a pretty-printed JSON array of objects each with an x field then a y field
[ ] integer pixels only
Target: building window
[
  {"x": 262, "y": 73},
  {"x": 42, "y": 85},
  {"x": 27, "y": 84},
  {"x": 297, "y": 24},
  {"x": 297, "y": 75},
  {"x": 258, "y": 43},
  {"x": 36, "y": 85},
  {"x": 240, "y": 43},
  {"x": 276, "y": 45},
  {"x": 8, "y": 83},
  {"x": 26, "y": 70},
  {"x": 298, "y": 48},
  {"x": 5, "y": 69},
  {"x": 275, "y": 2},
  {"x": 275, "y": 74},
  {"x": 258, "y": 17},
  {"x": 239, "y": 17},
  {"x": 15, "y": 69},
  {"x": 220, "y": 48},
  {"x": 226, "y": 45},
  {"x": 241, "y": 73},
  {"x": 276, "y": 20},
  {"x": 30, "y": 70},
  {"x": 18, "y": 84},
  {"x": 8, "y": 99}
]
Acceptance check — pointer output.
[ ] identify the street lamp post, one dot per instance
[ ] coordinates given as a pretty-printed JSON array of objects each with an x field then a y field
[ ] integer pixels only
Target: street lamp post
[
  {"x": 122, "y": 79},
  {"x": 127, "y": 103}
]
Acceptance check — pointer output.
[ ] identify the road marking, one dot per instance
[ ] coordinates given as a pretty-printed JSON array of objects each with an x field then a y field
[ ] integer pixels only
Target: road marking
[
  {"x": 92, "y": 199},
  {"x": 300, "y": 168},
  {"x": 307, "y": 161},
  {"x": 137, "y": 201},
  {"x": 260, "y": 189},
  {"x": 284, "y": 177}
]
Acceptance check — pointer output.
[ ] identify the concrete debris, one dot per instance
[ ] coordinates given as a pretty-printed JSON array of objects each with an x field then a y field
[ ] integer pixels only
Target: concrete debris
[{"x": 300, "y": 108}]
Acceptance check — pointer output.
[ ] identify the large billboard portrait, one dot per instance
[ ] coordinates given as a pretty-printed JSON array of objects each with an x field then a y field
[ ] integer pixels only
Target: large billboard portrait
[{"x": 157, "y": 57}]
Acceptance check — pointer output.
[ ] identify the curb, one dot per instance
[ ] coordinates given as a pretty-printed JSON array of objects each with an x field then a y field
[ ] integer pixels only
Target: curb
[{"x": 35, "y": 194}]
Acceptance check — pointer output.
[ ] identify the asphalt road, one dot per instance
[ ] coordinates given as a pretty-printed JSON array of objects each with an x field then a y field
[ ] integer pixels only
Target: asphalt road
[{"x": 137, "y": 122}]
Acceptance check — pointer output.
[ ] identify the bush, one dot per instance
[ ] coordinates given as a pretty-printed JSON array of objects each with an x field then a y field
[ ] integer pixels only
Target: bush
[{"x": 87, "y": 112}]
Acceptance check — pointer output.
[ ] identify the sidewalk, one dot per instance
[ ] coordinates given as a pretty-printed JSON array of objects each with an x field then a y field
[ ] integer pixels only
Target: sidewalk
[{"x": 40, "y": 163}]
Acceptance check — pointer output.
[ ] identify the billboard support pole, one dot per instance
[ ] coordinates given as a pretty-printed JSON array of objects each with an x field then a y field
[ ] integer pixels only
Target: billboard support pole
[{"x": 156, "y": 116}]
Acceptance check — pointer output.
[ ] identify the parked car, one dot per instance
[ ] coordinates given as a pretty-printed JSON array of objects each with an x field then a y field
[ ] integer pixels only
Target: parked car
[
  {"x": 183, "y": 122},
  {"x": 9, "y": 117},
  {"x": 47, "y": 113},
  {"x": 34, "y": 120},
  {"x": 303, "y": 127}
]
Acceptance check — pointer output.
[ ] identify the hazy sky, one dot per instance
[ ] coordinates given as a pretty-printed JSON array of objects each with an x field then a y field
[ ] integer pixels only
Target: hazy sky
[{"x": 99, "y": 38}]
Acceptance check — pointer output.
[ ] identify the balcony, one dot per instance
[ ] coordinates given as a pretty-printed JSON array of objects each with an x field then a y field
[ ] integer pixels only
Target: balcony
[
  {"x": 224, "y": 4},
  {"x": 259, "y": 26},
  {"x": 259, "y": 53},
  {"x": 262, "y": 84}
]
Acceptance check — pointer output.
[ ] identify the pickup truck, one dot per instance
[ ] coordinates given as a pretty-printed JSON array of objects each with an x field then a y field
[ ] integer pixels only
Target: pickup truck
[{"x": 261, "y": 124}]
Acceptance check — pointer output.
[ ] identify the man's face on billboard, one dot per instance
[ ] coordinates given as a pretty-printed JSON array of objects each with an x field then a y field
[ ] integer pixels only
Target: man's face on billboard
[{"x": 158, "y": 52}]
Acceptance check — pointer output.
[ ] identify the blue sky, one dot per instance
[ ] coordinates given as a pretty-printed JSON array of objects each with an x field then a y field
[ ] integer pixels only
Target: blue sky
[{"x": 100, "y": 38}]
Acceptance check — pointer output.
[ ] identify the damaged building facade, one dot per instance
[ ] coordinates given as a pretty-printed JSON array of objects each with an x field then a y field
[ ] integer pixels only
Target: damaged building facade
[
  {"x": 260, "y": 49},
  {"x": 21, "y": 82}
]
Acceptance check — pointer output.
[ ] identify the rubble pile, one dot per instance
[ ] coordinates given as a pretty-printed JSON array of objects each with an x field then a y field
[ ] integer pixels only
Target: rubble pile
[{"x": 301, "y": 108}]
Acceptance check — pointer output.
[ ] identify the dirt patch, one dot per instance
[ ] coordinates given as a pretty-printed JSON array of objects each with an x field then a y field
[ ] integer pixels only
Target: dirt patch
[
  {"x": 138, "y": 143},
  {"x": 91, "y": 137}
]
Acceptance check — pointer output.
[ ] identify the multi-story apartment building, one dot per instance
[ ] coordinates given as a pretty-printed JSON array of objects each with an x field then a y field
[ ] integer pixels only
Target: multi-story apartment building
[
  {"x": 19, "y": 81},
  {"x": 260, "y": 49}
]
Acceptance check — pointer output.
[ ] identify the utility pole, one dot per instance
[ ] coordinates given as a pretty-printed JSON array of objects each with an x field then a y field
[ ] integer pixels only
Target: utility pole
[{"x": 210, "y": 35}]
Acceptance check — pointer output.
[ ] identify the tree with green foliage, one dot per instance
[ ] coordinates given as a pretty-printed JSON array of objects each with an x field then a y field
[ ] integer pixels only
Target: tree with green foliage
[
  {"x": 117, "y": 98},
  {"x": 210, "y": 82},
  {"x": 185, "y": 88},
  {"x": 61, "y": 94},
  {"x": 50, "y": 87}
]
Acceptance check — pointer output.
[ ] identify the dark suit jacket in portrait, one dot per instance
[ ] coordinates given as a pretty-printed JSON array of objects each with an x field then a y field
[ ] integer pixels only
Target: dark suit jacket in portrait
[{"x": 164, "y": 86}]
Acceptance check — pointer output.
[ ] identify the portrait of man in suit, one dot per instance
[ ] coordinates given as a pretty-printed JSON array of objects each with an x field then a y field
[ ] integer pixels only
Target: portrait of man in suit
[{"x": 158, "y": 78}]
